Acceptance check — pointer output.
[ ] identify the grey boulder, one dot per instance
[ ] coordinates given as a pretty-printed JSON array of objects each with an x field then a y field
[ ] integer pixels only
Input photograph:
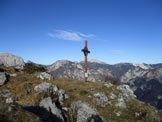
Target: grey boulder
[
  {"x": 85, "y": 113},
  {"x": 46, "y": 87},
  {"x": 50, "y": 107},
  {"x": 101, "y": 100},
  {"x": 2, "y": 78},
  {"x": 50, "y": 88},
  {"x": 8, "y": 60},
  {"x": 44, "y": 75}
]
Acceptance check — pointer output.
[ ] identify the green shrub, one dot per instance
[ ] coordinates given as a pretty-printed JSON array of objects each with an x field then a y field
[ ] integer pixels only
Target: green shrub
[
  {"x": 32, "y": 68},
  {"x": 83, "y": 92}
]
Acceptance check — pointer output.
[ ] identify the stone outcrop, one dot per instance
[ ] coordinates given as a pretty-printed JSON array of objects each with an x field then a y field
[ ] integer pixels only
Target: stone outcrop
[
  {"x": 126, "y": 92},
  {"x": 8, "y": 60},
  {"x": 125, "y": 95},
  {"x": 46, "y": 87},
  {"x": 85, "y": 113},
  {"x": 2, "y": 78},
  {"x": 45, "y": 75},
  {"x": 50, "y": 88},
  {"x": 101, "y": 100},
  {"x": 51, "y": 107}
]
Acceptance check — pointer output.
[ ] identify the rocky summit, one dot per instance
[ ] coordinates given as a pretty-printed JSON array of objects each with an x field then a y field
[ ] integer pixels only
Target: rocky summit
[{"x": 58, "y": 93}]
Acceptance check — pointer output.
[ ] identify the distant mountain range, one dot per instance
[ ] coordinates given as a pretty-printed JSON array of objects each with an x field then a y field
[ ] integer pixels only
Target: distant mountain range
[{"x": 144, "y": 79}]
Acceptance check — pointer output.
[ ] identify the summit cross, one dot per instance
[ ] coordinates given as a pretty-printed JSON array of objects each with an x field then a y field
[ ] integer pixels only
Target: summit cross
[{"x": 85, "y": 51}]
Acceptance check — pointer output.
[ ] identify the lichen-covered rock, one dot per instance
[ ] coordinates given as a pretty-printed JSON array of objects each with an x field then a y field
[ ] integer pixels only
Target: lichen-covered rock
[
  {"x": 46, "y": 87},
  {"x": 5, "y": 93},
  {"x": 2, "y": 78},
  {"x": 45, "y": 75},
  {"x": 51, "y": 107},
  {"x": 126, "y": 92},
  {"x": 8, "y": 60},
  {"x": 101, "y": 100},
  {"x": 85, "y": 113}
]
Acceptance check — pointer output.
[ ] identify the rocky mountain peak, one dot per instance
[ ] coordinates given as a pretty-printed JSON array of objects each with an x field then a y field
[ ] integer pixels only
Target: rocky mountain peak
[
  {"x": 96, "y": 61},
  {"x": 58, "y": 64}
]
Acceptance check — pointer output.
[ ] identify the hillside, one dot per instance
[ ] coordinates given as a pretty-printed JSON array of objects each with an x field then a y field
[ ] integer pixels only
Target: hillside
[
  {"x": 144, "y": 79},
  {"x": 112, "y": 103}
]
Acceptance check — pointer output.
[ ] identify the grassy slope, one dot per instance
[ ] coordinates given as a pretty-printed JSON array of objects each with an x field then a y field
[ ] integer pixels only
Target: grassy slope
[{"x": 79, "y": 90}]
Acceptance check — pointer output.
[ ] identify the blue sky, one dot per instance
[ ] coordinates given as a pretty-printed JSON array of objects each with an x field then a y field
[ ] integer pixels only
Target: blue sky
[{"x": 117, "y": 31}]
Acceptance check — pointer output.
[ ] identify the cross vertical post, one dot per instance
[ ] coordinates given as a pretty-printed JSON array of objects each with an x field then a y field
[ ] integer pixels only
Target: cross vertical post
[{"x": 85, "y": 51}]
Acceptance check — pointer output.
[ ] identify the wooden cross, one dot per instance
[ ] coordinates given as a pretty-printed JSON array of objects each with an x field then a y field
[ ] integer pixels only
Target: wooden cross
[{"x": 85, "y": 51}]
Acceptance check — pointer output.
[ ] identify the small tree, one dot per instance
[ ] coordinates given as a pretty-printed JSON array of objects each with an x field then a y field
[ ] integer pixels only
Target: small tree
[{"x": 112, "y": 79}]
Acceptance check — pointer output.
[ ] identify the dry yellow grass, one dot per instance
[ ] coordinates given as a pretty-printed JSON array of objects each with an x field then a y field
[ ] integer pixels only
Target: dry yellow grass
[{"x": 79, "y": 90}]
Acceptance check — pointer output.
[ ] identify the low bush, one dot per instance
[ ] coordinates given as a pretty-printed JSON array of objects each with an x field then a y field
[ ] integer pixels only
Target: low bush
[
  {"x": 83, "y": 92},
  {"x": 113, "y": 80},
  {"x": 32, "y": 68}
]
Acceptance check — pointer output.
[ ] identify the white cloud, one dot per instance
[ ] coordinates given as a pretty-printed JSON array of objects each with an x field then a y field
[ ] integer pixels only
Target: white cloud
[{"x": 70, "y": 35}]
